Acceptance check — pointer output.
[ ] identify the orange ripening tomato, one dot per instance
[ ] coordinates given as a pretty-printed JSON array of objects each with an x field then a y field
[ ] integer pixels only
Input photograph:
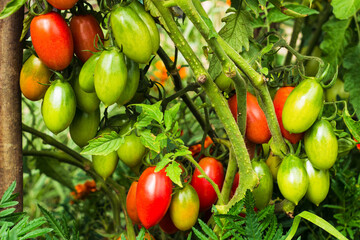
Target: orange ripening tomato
[
  {"x": 279, "y": 102},
  {"x": 131, "y": 203},
  {"x": 34, "y": 79},
  {"x": 85, "y": 30}
]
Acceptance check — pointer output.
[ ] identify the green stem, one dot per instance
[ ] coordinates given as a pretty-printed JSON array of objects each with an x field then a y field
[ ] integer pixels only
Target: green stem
[
  {"x": 188, "y": 88},
  {"x": 285, "y": 10},
  {"x": 218, "y": 101},
  {"x": 294, "y": 36}
]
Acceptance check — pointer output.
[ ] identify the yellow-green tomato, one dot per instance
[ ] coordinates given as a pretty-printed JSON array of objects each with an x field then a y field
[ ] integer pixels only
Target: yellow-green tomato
[
  {"x": 87, "y": 102},
  {"x": 223, "y": 82},
  {"x": 86, "y": 77},
  {"x": 59, "y": 106},
  {"x": 184, "y": 208},
  {"x": 273, "y": 163},
  {"x": 132, "y": 82},
  {"x": 105, "y": 165},
  {"x": 336, "y": 90},
  {"x": 292, "y": 178},
  {"x": 84, "y": 126},
  {"x": 321, "y": 145},
  {"x": 263, "y": 192},
  {"x": 132, "y": 151},
  {"x": 319, "y": 183}
]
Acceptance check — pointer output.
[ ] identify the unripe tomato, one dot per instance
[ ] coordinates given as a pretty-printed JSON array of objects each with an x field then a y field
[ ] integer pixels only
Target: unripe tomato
[
  {"x": 132, "y": 151},
  {"x": 52, "y": 40},
  {"x": 215, "y": 170},
  {"x": 110, "y": 76},
  {"x": 319, "y": 184},
  {"x": 321, "y": 145},
  {"x": 263, "y": 192},
  {"x": 273, "y": 163},
  {"x": 86, "y": 31},
  {"x": 184, "y": 208},
  {"x": 105, "y": 165},
  {"x": 132, "y": 82},
  {"x": 86, "y": 76},
  {"x": 303, "y": 106},
  {"x": 149, "y": 22},
  {"x": 292, "y": 178},
  {"x": 132, "y": 34},
  {"x": 34, "y": 78},
  {"x": 84, "y": 126},
  {"x": 336, "y": 90},
  {"x": 257, "y": 130},
  {"x": 87, "y": 102},
  {"x": 279, "y": 101},
  {"x": 223, "y": 82},
  {"x": 153, "y": 196},
  {"x": 167, "y": 225},
  {"x": 131, "y": 203},
  {"x": 312, "y": 66},
  {"x": 62, "y": 4},
  {"x": 59, "y": 106}
]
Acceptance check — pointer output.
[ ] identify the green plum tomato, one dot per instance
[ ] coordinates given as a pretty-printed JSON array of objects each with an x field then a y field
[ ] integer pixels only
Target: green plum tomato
[
  {"x": 132, "y": 151},
  {"x": 132, "y": 82},
  {"x": 303, "y": 105},
  {"x": 292, "y": 178},
  {"x": 263, "y": 192},
  {"x": 336, "y": 90},
  {"x": 319, "y": 183},
  {"x": 87, "y": 102},
  {"x": 86, "y": 77},
  {"x": 110, "y": 76},
  {"x": 84, "y": 126},
  {"x": 321, "y": 145},
  {"x": 273, "y": 162},
  {"x": 184, "y": 208},
  {"x": 59, "y": 106}
]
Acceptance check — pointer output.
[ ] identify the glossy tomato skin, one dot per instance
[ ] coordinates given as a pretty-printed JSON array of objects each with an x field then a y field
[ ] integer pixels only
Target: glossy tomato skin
[
  {"x": 263, "y": 192},
  {"x": 207, "y": 195},
  {"x": 153, "y": 196},
  {"x": 59, "y": 106},
  {"x": 319, "y": 183},
  {"x": 86, "y": 76},
  {"x": 257, "y": 130},
  {"x": 273, "y": 162},
  {"x": 86, "y": 31},
  {"x": 132, "y": 82},
  {"x": 132, "y": 151},
  {"x": 223, "y": 82},
  {"x": 62, "y": 4},
  {"x": 131, "y": 203},
  {"x": 292, "y": 178},
  {"x": 84, "y": 126},
  {"x": 110, "y": 76},
  {"x": 52, "y": 40},
  {"x": 321, "y": 145},
  {"x": 338, "y": 90},
  {"x": 87, "y": 102},
  {"x": 184, "y": 208},
  {"x": 303, "y": 106},
  {"x": 279, "y": 101},
  {"x": 34, "y": 78},
  {"x": 132, "y": 34}
]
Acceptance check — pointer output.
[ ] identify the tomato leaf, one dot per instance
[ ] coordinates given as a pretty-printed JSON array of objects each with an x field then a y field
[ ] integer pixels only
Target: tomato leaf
[
  {"x": 143, "y": 121},
  {"x": 104, "y": 145},
  {"x": 152, "y": 111},
  {"x": 149, "y": 140},
  {"x": 11, "y": 7},
  {"x": 173, "y": 171},
  {"x": 170, "y": 116},
  {"x": 344, "y": 9},
  {"x": 352, "y": 125},
  {"x": 162, "y": 139},
  {"x": 164, "y": 161},
  {"x": 254, "y": 6},
  {"x": 275, "y": 15}
]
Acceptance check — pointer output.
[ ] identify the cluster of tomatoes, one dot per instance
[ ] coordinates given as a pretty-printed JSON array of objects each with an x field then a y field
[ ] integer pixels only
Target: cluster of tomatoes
[{"x": 297, "y": 110}]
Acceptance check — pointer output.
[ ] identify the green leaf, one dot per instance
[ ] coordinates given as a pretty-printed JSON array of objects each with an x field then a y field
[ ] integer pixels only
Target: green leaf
[
  {"x": 20, "y": 225},
  {"x": 11, "y": 7},
  {"x": 254, "y": 6},
  {"x": 141, "y": 234},
  {"x": 352, "y": 76},
  {"x": 149, "y": 140},
  {"x": 54, "y": 169},
  {"x": 275, "y": 15},
  {"x": 149, "y": 6},
  {"x": 207, "y": 230},
  {"x": 36, "y": 233},
  {"x": 173, "y": 171},
  {"x": 104, "y": 145},
  {"x": 8, "y": 192},
  {"x": 182, "y": 152},
  {"x": 170, "y": 116},
  {"x": 143, "y": 121},
  {"x": 9, "y": 204},
  {"x": 152, "y": 111},
  {"x": 344, "y": 9},
  {"x": 164, "y": 161},
  {"x": 352, "y": 125},
  {"x": 6, "y": 212},
  {"x": 208, "y": 22},
  {"x": 32, "y": 225},
  {"x": 58, "y": 227},
  {"x": 162, "y": 139},
  {"x": 199, "y": 234},
  {"x": 318, "y": 221}
]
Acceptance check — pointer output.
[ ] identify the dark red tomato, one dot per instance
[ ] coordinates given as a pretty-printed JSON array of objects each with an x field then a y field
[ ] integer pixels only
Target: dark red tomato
[
  {"x": 52, "y": 40},
  {"x": 62, "y": 4},
  {"x": 207, "y": 195},
  {"x": 167, "y": 225},
  {"x": 131, "y": 203},
  {"x": 85, "y": 30},
  {"x": 279, "y": 102},
  {"x": 257, "y": 130},
  {"x": 235, "y": 185},
  {"x": 153, "y": 196}
]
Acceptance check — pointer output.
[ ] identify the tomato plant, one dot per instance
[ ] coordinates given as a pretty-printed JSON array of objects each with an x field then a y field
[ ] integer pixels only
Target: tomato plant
[
  {"x": 215, "y": 170},
  {"x": 132, "y": 151},
  {"x": 263, "y": 192},
  {"x": 52, "y": 40},
  {"x": 62, "y": 4}
]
